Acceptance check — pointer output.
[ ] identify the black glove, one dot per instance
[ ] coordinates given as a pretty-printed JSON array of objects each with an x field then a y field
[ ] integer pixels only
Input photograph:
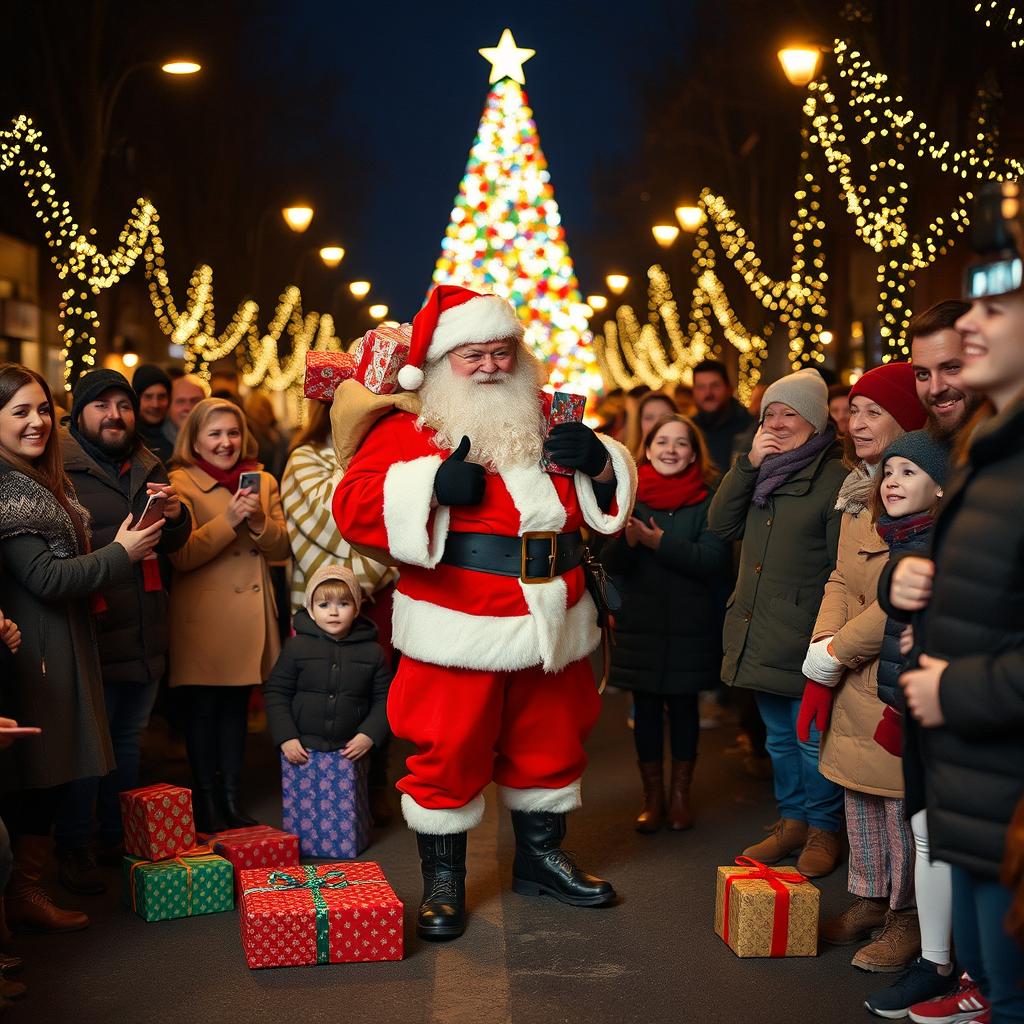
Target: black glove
[
  {"x": 576, "y": 446},
  {"x": 459, "y": 482}
]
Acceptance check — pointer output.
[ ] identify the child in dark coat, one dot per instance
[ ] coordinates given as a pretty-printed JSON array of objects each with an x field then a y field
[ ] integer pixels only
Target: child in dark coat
[{"x": 328, "y": 690}]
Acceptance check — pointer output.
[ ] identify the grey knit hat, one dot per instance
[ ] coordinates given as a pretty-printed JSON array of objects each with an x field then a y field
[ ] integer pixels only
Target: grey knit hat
[
  {"x": 804, "y": 391},
  {"x": 920, "y": 448}
]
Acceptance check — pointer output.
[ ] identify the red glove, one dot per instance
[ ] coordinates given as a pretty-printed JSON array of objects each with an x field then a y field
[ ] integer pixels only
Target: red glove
[
  {"x": 816, "y": 707},
  {"x": 889, "y": 732}
]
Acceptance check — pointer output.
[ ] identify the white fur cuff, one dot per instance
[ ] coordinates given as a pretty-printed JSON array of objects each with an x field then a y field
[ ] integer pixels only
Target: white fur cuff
[
  {"x": 445, "y": 822},
  {"x": 554, "y": 801},
  {"x": 625, "y": 490},
  {"x": 408, "y": 493}
]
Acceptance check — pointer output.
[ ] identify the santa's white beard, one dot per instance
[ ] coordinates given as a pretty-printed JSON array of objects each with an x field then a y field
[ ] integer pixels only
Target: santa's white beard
[{"x": 502, "y": 419}]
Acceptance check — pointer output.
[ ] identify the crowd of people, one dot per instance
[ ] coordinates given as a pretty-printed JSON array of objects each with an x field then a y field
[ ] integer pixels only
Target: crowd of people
[{"x": 843, "y": 566}]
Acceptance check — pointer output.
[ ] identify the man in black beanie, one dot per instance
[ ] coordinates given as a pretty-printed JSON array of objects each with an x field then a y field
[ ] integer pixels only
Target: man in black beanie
[
  {"x": 153, "y": 389},
  {"x": 114, "y": 475}
]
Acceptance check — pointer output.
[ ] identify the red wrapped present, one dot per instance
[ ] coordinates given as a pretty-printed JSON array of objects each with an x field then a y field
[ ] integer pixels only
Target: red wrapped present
[
  {"x": 318, "y": 914},
  {"x": 565, "y": 408},
  {"x": 258, "y": 847},
  {"x": 157, "y": 821},
  {"x": 324, "y": 372},
  {"x": 381, "y": 354}
]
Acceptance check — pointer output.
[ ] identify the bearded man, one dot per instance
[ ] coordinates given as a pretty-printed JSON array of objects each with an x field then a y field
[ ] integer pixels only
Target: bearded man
[{"x": 492, "y": 611}]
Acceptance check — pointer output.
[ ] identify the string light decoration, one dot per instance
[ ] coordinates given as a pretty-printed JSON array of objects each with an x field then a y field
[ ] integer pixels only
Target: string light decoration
[
  {"x": 506, "y": 236},
  {"x": 1013, "y": 21}
]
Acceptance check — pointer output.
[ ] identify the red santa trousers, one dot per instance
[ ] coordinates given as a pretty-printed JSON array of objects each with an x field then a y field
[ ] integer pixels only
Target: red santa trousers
[{"x": 524, "y": 730}]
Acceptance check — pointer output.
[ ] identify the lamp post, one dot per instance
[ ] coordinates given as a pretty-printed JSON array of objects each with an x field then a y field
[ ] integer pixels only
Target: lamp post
[
  {"x": 665, "y": 234},
  {"x": 800, "y": 63},
  {"x": 617, "y": 283},
  {"x": 690, "y": 217},
  {"x": 297, "y": 218}
]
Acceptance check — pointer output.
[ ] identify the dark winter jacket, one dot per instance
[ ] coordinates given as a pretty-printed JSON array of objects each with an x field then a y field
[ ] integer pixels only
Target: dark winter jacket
[
  {"x": 789, "y": 551},
  {"x": 667, "y": 638},
  {"x": 132, "y": 629},
  {"x": 156, "y": 440},
  {"x": 720, "y": 432},
  {"x": 973, "y": 765},
  {"x": 916, "y": 540},
  {"x": 322, "y": 691}
]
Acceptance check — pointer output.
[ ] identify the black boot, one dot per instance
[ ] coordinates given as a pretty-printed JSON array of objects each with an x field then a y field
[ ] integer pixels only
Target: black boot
[
  {"x": 206, "y": 808},
  {"x": 542, "y": 868},
  {"x": 231, "y": 787},
  {"x": 201, "y": 741},
  {"x": 442, "y": 913},
  {"x": 233, "y": 725}
]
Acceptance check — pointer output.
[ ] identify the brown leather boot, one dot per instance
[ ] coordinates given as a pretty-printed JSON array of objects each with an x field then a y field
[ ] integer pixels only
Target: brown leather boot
[
  {"x": 680, "y": 814},
  {"x": 821, "y": 853},
  {"x": 856, "y": 922},
  {"x": 29, "y": 908},
  {"x": 899, "y": 943},
  {"x": 786, "y": 838},
  {"x": 652, "y": 817}
]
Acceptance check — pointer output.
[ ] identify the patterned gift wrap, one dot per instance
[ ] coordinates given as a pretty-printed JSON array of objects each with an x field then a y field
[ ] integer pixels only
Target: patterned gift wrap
[
  {"x": 187, "y": 886},
  {"x": 258, "y": 847},
  {"x": 319, "y": 914},
  {"x": 157, "y": 821},
  {"x": 325, "y": 804},
  {"x": 565, "y": 408},
  {"x": 324, "y": 372},
  {"x": 763, "y": 912},
  {"x": 381, "y": 354}
]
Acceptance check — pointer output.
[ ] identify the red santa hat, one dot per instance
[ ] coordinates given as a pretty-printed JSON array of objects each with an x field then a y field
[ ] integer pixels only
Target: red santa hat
[{"x": 454, "y": 316}]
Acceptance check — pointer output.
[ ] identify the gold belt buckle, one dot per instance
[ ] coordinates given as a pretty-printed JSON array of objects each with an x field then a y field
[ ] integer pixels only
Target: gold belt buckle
[{"x": 552, "y": 538}]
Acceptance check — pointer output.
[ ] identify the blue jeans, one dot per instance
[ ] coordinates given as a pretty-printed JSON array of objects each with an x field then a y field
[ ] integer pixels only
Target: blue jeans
[
  {"x": 801, "y": 791},
  {"x": 128, "y": 709},
  {"x": 983, "y": 948}
]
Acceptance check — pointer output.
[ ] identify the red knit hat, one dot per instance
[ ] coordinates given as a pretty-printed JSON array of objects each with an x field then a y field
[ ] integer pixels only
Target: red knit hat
[
  {"x": 454, "y": 316},
  {"x": 892, "y": 387}
]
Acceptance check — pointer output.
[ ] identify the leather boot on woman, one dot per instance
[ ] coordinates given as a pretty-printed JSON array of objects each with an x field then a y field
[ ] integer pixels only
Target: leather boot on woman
[
  {"x": 442, "y": 914},
  {"x": 28, "y": 906},
  {"x": 680, "y": 814},
  {"x": 652, "y": 817}
]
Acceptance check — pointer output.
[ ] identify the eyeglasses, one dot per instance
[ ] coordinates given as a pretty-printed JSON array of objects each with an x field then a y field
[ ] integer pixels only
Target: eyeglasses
[{"x": 476, "y": 358}]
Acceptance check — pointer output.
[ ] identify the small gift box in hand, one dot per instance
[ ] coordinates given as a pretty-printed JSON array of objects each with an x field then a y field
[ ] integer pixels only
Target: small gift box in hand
[{"x": 565, "y": 408}]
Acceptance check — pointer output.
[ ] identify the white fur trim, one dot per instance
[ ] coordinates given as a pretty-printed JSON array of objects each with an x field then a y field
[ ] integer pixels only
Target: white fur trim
[
  {"x": 625, "y": 490},
  {"x": 535, "y": 498},
  {"x": 495, "y": 643},
  {"x": 485, "y": 318},
  {"x": 554, "y": 801},
  {"x": 408, "y": 494},
  {"x": 410, "y": 378},
  {"x": 444, "y": 822}
]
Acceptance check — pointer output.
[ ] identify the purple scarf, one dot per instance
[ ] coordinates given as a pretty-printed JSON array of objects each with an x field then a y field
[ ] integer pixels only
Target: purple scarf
[{"x": 777, "y": 469}]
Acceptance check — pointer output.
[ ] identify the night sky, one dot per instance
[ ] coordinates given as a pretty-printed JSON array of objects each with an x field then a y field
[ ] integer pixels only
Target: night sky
[{"x": 416, "y": 88}]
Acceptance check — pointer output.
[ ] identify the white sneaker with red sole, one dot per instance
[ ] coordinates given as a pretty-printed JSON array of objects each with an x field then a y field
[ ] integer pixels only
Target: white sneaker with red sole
[{"x": 965, "y": 1004}]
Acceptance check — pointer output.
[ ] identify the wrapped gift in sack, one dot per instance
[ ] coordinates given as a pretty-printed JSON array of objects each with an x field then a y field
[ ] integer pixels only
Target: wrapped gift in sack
[
  {"x": 258, "y": 847},
  {"x": 157, "y": 821},
  {"x": 194, "y": 883},
  {"x": 326, "y": 804},
  {"x": 381, "y": 354},
  {"x": 319, "y": 914},
  {"x": 763, "y": 912},
  {"x": 324, "y": 372}
]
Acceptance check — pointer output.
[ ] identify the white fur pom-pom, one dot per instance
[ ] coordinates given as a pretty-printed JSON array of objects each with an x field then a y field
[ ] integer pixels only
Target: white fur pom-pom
[{"x": 410, "y": 377}]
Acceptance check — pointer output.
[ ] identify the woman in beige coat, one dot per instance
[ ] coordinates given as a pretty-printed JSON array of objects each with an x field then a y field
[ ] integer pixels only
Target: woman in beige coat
[
  {"x": 224, "y": 637},
  {"x": 842, "y": 671}
]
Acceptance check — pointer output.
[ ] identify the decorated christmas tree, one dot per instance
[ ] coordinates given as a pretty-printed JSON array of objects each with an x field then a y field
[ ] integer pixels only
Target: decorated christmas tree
[{"x": 506, "y": 235}]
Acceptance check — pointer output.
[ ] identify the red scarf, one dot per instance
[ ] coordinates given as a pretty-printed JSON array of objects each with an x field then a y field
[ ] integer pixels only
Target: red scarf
[
  {"x": 670, "y": 492},
  {"x": 228, "y": 477}
]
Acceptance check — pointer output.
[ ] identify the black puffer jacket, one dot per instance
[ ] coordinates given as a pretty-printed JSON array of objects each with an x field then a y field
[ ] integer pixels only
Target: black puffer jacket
[
  {"x": 973, "y": 766},
  {"x": 914, "y": 538},
  {"x": 322, "y": 691}
]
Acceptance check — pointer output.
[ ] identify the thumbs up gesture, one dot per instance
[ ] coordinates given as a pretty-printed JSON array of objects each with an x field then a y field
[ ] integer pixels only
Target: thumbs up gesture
[{"x": 459, "y": 482}]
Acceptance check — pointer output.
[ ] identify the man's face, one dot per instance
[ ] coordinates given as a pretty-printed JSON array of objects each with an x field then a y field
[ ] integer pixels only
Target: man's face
[
  {"x": 993, "y": 347},
  {"x": 153, "y": 404},
  {"x": 938, "y": 360},
  {"x": 109, "y": 422},
  {"x": 710, "y": 392},
  {"x": 485, "y": 362},
  {"x": 185, "y": 396}
]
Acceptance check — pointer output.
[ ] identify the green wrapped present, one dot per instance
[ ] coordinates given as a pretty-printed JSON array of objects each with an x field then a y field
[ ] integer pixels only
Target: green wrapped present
[{"x": 197, "y": 882}]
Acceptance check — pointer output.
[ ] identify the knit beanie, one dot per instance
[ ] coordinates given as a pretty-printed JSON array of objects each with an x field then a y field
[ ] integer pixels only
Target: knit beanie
[
  {"x": 147, "y": 375},
  {"x": 91, "y": 385},
  {"x": 892, "y": 387},
  {"x": 920, "y": 448},
  {"x": 806, "y": 392},
  {"x": 334, "y": 572}
]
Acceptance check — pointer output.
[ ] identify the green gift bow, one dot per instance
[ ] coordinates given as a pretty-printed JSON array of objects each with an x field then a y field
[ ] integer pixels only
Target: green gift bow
[{"x": 281, "y": 881}]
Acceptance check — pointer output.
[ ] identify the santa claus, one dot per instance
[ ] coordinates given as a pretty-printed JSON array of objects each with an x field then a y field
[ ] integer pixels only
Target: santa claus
[{"x": 492, "y": 611}]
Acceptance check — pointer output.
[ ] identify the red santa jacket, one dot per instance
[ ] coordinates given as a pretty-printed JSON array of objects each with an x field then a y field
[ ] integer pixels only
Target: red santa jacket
[{"x": 461, "y": 618}]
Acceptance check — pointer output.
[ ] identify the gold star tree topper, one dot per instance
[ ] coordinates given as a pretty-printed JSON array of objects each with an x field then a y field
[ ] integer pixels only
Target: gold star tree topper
[{"x": 507, "y": 59}]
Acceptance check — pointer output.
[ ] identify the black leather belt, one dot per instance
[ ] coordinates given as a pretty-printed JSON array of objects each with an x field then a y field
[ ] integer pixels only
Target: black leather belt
[{"x": 535, "y": 557}]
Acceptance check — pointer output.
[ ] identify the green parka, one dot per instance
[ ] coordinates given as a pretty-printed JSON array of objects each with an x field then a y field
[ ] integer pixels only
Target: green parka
[{"x": 788, "y": 552}]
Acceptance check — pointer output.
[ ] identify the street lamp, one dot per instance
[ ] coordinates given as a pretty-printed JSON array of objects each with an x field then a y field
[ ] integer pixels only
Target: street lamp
[
  {"x": 359, "y": 289},
  {"x": 617, "y": 283},
  {"x": 378, "y": 311},
  {"x": 298, "y": 218},
  {"x": 179, "y": 66},
  {"x": 690, "y": 217},
  {"x": 800, "y": 63},
  {"x": 332, "y": 255},
  {"x": 597, "y": 302},
  {"x": 665, "y": 234}
]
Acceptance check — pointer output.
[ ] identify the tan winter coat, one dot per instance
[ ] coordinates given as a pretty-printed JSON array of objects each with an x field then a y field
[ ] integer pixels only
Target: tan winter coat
[
  {"x": 223, "y": 614},
  {"x": 849, "y": 610}
]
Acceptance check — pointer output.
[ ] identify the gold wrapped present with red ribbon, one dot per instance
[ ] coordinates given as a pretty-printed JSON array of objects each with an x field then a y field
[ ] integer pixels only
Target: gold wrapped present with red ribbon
[{"x": 760, "y": 911}]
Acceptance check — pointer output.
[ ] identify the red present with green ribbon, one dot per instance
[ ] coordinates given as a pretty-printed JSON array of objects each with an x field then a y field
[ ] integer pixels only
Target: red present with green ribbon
[
  {"x": 760, "y": 911},
  {"x": 318, "y": 914},
  {"x": 259, "y": 846}
]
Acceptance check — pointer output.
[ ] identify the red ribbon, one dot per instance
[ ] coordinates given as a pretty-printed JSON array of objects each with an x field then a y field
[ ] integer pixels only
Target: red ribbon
[{"x": 780, "y": 921}]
